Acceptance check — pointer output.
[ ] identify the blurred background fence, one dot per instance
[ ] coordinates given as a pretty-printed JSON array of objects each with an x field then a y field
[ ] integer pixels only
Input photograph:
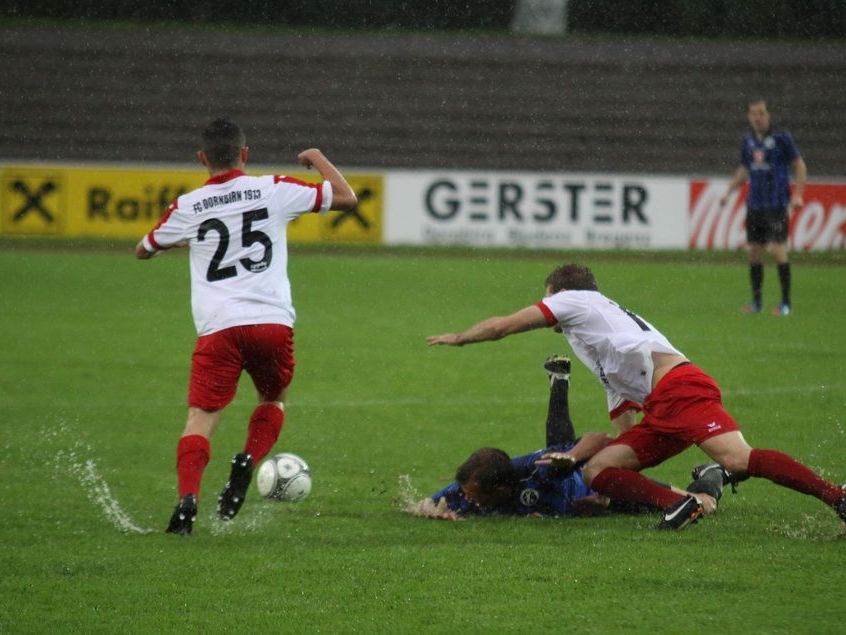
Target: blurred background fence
[
  {"x": 437, "y": 86},
  {"x": 415, "y": 99},
  {"x": 733, "y": 18}
]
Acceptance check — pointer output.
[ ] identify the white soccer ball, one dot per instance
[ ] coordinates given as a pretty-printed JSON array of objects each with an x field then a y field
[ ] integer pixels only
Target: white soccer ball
[{"x": 284, "y": 477}]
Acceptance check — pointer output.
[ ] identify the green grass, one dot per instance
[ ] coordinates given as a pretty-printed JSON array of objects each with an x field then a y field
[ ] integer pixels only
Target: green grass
[{"x": 93, "y": 373}]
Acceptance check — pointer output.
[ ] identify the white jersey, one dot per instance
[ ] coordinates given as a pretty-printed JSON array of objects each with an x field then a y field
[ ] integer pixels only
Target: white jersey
[
  {"x": 235, "y": 226},
  {"x": 613, "y": 342}
]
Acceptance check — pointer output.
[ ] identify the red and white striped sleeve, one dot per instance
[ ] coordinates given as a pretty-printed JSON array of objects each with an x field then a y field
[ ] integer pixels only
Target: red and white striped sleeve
[
  {"x": 564, "y": 308},
  {"x": 296, "y": 197},
  {"x": 551, "y": 320},
  {"x": 168, "y": 231}
]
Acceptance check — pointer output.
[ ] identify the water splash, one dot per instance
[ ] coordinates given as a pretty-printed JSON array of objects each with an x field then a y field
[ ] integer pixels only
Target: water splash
[
  {"x": 96, "y": 488},
  {"x": 85, "y": 470},
  {"x": 259, "y": 517},
  {"x": 409, "y": 495},
  {"x": 75, "y": 461},
  {"x": 818, "y": 527}
]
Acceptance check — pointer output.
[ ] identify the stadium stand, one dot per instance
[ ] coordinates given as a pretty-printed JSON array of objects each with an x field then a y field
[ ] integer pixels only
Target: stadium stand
[{"x": 415, "y": 100}]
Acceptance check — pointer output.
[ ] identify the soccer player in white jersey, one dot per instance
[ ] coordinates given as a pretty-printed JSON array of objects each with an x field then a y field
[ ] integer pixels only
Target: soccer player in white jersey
[
  {"x": 642, "y": 371},
  {"x": 235, "y": 229}
]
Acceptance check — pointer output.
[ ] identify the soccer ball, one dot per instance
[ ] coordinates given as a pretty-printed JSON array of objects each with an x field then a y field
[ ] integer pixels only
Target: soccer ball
[{"x": 284, "y": 477}]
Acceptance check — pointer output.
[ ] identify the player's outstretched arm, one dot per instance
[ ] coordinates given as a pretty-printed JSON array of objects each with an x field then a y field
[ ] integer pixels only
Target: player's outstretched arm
[
  {"x": 343, "y": 196},
  {"x": 494, "y": 328}
]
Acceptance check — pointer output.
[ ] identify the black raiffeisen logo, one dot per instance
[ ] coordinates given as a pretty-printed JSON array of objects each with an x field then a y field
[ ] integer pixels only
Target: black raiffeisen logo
[
  {"x": 149, "y": 203},
  {"x": 32, "y": 200},
  {"x": 354, "y": 214}
]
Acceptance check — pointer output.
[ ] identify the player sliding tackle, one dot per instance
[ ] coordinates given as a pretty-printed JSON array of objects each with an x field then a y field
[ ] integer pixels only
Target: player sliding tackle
[
  {"x": 642, "y": 371},
  {"x": 547, "y": 482},
  {"x": 235, "y": 228}
]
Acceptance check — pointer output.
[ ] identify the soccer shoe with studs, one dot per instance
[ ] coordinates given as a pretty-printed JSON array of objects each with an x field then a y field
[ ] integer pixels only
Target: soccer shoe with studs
[
  {"x": 708, "y": 479},
  {"x": 557, "y": 365},
  {"x": 728, "y": 478},
  {"x": 232, "y": 497},
  {"x": 751, "y": 308},
  {"x": 782, "y": 309},
  {"x": 685, "y": 512},
  {"x": 182, "y": 520}
]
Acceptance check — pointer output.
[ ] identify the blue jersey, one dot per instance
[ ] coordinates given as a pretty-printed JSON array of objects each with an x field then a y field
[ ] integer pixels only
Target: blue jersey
[
  {"x": 544, "y": 490},
  {"x": 768, "y": 161}
]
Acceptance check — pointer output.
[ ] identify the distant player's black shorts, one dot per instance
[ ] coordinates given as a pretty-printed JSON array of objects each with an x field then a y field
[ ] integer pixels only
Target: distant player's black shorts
[{"x": 766, "y": 226}]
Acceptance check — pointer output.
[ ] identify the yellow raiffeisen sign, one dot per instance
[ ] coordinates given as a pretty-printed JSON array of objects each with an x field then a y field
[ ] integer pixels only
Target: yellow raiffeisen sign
[{"x": 115, "y": 202}]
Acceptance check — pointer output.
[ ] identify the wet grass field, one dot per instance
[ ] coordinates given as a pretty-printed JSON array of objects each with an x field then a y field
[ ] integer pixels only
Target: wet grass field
[{"x": 93, "y": 374}]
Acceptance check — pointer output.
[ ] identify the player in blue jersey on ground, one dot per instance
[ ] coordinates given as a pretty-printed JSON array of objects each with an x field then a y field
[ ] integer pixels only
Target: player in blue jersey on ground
[
  {"x": 546, "y": 482},
  {"x": 767, "y": 158}
]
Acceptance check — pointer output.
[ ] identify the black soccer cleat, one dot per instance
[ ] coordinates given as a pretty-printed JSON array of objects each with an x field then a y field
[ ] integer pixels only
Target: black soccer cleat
[
  {"x": 557, "y": 365},
  {"x": 728, "y": 478},
  {"x": 687, "y": 511},
  {"x": 708, "y": 479},
  {"x": 232, "y": 497},
  {"x": 182, "y": 521}
]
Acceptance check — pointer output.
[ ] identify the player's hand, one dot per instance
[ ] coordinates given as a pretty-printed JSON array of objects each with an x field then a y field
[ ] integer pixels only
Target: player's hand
[
  {"x": 447, "y": 339},
  {"x": 141, "y": 253},
  {"x": 427, "y": 508},
  {"x": 557, "y": 459},
  {"x": 590, "y": 505},
  {"x": 308, "y": 157},
  {"x": 796, "y": 202},
  {"x": 709, "y": 503}
]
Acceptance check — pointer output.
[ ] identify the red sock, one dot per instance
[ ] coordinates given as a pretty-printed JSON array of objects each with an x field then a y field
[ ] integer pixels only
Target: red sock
[
  {"x": 192, "y": 456},
  {"x": 628, "y": 485},
  {"x": 787, "y": 471},
  {"x": 265, "y": 424}
]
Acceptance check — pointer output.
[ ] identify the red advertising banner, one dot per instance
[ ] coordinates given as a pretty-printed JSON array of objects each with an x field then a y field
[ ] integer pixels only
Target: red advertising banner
[{"x": 819, "y": 225}]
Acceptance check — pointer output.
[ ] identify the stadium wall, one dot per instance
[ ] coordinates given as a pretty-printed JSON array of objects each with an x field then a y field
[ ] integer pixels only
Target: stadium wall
[
  {"x": 416, "y": 101},
  {"x": 709, "y": 18},
  {"x": 424, "y": 207}
]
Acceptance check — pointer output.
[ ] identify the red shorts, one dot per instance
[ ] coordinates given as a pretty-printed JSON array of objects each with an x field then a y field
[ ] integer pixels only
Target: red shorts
[
  {"x": 684, "y": 408},
  {"x": 265, "y": 351}
]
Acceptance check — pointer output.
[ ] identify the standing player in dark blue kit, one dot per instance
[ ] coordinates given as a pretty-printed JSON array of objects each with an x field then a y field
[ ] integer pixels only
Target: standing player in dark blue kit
[{"x": 767, "y": 157}]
